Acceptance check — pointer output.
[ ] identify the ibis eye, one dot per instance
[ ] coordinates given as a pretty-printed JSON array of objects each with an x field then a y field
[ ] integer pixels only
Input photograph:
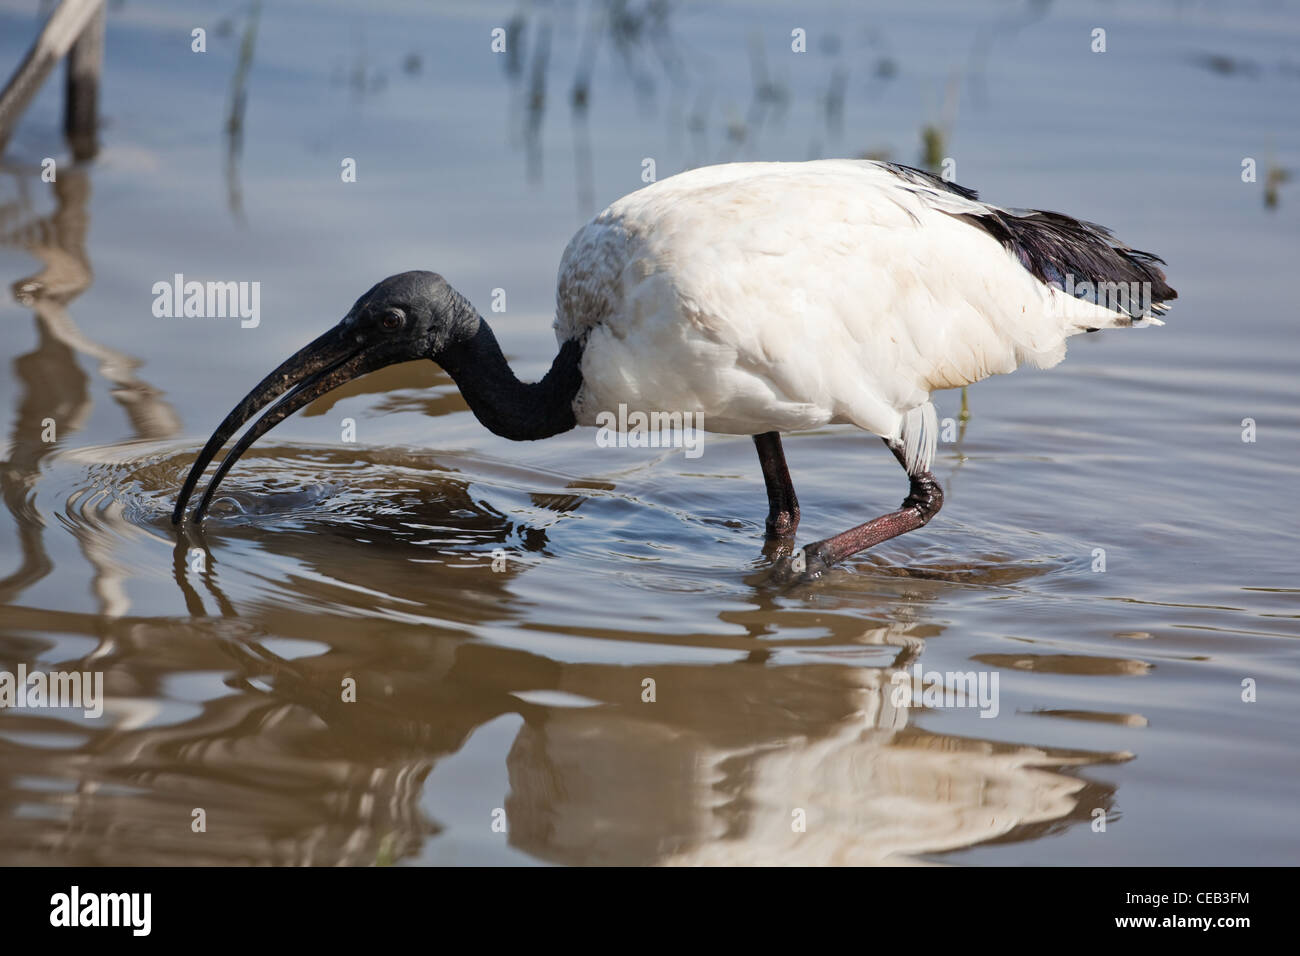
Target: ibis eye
[{"x": 391, "y": 319}]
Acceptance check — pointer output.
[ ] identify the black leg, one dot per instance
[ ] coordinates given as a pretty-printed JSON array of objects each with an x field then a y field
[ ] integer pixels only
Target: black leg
[
  {"x": 922, "y": 503},
  {"x": 782, "y": 505}
]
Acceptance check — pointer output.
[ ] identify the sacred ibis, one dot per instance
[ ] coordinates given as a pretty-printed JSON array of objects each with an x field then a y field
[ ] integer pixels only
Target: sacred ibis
[{"x": 768, "y": 297}]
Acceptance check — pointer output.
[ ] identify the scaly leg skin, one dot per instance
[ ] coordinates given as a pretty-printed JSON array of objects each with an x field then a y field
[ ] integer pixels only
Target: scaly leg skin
[
  {"x": 809, "y": 563},
  {"x": 782, "y": 505}
]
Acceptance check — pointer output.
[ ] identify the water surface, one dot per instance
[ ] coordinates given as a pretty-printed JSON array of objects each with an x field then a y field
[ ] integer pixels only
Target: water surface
[{"x": 498, "y": 607}]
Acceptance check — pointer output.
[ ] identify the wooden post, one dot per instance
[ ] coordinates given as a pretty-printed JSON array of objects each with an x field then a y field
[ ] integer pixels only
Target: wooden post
[
  {"x": 64, "y": 27},
  {"x": 81, "y": 92}
]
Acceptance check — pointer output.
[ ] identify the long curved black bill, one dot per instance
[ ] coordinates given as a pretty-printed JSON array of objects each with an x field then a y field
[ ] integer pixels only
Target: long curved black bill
[{"x": 319, "y": 367}]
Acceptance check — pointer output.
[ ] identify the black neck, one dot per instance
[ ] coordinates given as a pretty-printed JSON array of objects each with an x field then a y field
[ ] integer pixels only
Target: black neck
[{"x": 506, "y": 406}]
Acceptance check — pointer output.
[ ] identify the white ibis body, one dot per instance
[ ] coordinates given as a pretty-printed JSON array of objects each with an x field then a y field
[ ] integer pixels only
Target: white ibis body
[{"x": 766, "y": 297}]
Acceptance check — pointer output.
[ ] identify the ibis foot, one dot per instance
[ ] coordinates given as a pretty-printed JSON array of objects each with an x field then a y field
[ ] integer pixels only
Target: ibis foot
[
  {"x": 796, "y": 567},
  {"x": 810, "y": 562},
  {"x": 776, "y": 547}
]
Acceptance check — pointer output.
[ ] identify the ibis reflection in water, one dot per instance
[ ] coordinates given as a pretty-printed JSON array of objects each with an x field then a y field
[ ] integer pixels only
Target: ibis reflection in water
[{"x": 764, "y": 298}]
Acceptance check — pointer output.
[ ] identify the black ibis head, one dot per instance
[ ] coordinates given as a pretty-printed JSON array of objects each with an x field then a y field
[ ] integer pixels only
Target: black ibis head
[{"x": 408, "y": 316}]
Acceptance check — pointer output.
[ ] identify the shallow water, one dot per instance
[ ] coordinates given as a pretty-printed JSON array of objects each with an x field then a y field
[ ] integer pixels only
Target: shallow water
[{"x": 499, "y": 606}]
